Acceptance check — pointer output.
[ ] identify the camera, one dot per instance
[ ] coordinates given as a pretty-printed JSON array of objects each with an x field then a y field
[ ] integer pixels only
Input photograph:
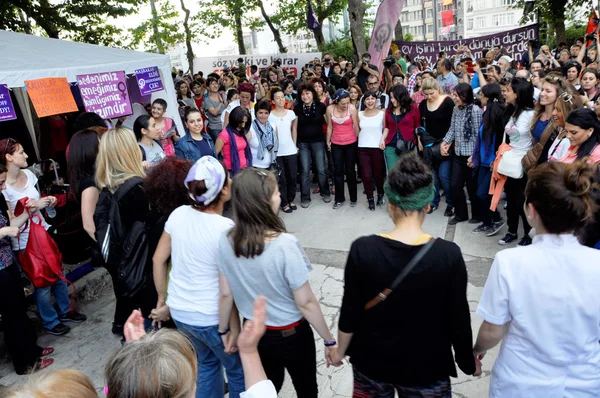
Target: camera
[
  {"x": 591, "y": 36},
  {"x": 389, "y": 61},
  {"x": 364, "y": 63}
]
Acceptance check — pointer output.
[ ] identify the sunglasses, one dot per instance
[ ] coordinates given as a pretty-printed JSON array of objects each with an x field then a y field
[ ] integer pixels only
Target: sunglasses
[{"x": 566, "y": 97}]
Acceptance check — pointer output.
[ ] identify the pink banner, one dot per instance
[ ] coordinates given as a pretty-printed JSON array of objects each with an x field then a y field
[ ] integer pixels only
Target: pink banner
[{"x": 388, "y": 14}]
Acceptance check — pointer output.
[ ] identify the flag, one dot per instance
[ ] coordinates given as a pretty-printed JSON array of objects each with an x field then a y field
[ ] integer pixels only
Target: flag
[
  {"x": 447, "y": 17},
  {"x": 528, "y": 7},
  {"x": 445, "y": 31},
  {"x": 592, "y": 25},
  {"x": 446, "y": 2},
  {"x": 386, "y": 19},
  {"x": 312, "y": 20}
]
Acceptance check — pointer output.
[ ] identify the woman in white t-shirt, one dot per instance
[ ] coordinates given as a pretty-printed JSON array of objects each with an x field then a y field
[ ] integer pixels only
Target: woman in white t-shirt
[
  {"x": 370, "y": 148},
  {"x": 191, "y": 239},
  {"x": 543, "y": 300},
  {"x": 519, "y": 94},
  {"x": 21, "y": 183},
  {"x": 285, "y": 123},
  {"x": 262, "y": 137}
]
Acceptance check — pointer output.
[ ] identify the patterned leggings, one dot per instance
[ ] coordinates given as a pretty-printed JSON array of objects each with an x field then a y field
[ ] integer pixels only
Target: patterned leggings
[{"x": 368, "y": 388}]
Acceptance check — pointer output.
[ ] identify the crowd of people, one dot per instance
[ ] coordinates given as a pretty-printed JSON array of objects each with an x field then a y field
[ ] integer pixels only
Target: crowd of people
[{"x": 153, "y": 201}]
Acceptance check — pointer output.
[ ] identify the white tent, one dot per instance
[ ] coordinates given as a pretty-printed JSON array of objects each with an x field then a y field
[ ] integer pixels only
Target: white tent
[{"x": 28, "y": 57}]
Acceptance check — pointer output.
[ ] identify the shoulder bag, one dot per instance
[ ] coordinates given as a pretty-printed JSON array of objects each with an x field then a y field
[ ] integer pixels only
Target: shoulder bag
[
  {"x": 511, "y": 164},
  {"x": 382, "y": 296},
  {"x": 402, "y": 146}
]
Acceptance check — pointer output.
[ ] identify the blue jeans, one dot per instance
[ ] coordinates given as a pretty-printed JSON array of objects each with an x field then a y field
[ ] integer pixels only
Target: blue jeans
[
  {"x": 211, "y": 360},
  {"x": 43, "y": 300},
  {"x": 214, "y": 134},
  {"x": 442, "y": 178},
  {"x": 312, "y": 152}
]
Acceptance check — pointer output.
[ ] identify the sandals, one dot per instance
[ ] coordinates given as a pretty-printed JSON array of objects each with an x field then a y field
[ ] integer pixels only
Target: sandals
[
  {"x": 43, "y": 363},
  {"x": 47, "y": 351}
]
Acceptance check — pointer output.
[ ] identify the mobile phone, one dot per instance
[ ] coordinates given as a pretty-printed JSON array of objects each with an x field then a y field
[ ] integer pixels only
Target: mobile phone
[
  {"x": 470, "y": 65},
  {"x": 484, "y": 71}
]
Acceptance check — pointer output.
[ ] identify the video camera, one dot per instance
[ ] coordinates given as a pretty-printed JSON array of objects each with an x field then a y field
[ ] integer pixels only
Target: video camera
[{"x": 389, "y": 61}]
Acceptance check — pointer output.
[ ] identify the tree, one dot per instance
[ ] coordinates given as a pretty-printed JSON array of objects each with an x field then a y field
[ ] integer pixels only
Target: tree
[
  {"x": 356, "y": 12},
  {"x": 226, "y": 14},
  {"x": 159, "y": 32},
  {"x": 188, "y": 37},
  {"x": 74, "y": 19},
  {"x": 291, "y": 16},
  {"x": 398, "y": 31},
  {"x": 274, "y": 30},
  {"x": 552, "y": 12}
]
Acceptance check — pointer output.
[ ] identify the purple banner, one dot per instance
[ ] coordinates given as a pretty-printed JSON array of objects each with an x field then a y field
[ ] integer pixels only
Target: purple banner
[
  {"x": 514, "y": 41},
  {"x": 7, "y": 110},
  {"x": 105, "y": 94},
  {"x": 149, "y": 80}
]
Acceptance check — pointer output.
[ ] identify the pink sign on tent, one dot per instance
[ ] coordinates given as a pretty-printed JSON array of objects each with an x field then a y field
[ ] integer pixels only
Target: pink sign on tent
[{"x": 105, "y": 94}]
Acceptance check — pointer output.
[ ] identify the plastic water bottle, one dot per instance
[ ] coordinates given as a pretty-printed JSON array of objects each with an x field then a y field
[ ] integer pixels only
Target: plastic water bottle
[{"x": 51, "y": 212}]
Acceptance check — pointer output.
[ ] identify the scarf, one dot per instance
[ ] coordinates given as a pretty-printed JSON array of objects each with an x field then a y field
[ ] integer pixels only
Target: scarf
[
  {"x": 267, "y": 140},
  {"x": 469, "y": 123},
  {"x": 235, "y": 158}
]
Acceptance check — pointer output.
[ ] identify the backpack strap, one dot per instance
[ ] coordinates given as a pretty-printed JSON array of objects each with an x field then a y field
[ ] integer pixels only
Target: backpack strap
[
  {"x": 143, "y": 153},
  {"x": 126, "y": 187}
]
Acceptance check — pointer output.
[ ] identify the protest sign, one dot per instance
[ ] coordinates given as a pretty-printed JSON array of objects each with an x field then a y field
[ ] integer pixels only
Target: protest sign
[
  {"x": 7, "y": 110},
  {"x": 291, "y": 63},
  {"x": 514, "y": 41},
  {"x": 149, "y": 80},
  {"x": 51, "y": 96},
  {"x": 105, "y": 94}
]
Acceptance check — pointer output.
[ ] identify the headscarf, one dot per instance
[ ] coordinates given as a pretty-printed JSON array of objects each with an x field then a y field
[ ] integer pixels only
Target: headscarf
[
  {"x": 266, "y": 138},
  {"x": 211, "y": 171},
  {"x": 235, "y": 158},
  {"x": 339, "y": 95}
]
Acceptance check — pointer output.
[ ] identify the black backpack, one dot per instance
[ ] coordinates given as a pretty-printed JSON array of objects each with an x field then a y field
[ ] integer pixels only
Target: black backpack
[{"x": 125, "y": 252}]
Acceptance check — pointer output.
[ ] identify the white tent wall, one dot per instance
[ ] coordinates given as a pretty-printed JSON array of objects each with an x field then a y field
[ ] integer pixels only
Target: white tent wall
[{"x": 28, "y": 57}]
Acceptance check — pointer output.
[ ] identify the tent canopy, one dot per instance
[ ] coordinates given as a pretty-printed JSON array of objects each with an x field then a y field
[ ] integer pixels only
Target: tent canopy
[{"x": 28, "y": 57}]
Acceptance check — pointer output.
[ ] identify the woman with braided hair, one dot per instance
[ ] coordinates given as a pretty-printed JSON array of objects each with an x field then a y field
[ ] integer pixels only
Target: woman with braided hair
[{"x": 392, "y": 345}]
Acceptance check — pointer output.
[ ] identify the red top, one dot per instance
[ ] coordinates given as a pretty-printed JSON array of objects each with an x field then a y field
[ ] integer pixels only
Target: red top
[{"x": 407, "y": 125}]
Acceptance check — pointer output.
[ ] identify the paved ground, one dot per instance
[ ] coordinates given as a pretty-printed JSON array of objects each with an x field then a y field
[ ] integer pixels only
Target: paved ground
[{"x": 326, "y": 234}]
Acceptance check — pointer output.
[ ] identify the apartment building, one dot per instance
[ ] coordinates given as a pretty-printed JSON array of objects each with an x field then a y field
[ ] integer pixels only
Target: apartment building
[{"x": 484, "y": 17}]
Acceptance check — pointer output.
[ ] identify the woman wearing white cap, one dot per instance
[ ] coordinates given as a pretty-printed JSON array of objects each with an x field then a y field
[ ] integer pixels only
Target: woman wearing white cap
[{"x": 191, "y": 239}]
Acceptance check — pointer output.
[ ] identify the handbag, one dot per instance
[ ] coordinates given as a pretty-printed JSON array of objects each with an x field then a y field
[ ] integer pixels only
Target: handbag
[
  {"x": 403, "y": 146},
  {"x": 428, "y": 141},
  {"x": 41, "y": 260},
  {"x": 511, "y": 164},
  {"x": 382, "y": 296}
]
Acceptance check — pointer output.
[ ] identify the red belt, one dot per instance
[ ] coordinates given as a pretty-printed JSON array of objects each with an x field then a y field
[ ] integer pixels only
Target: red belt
[{"x": 286, "y": 327}]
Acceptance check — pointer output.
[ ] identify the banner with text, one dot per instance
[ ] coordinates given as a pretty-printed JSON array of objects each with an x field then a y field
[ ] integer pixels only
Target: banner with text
[
  {"x": 51, "y": 96},
  {"x": 291, "y": 63},
  {"x": 7, "y": 110},
  {"x": 514, "y": 41},
  {"x": 149, "y": 80},
  {"x": 105, "y": 94}
]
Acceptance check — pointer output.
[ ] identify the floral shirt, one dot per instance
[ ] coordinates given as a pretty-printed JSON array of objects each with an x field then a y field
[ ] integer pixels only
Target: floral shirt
[{"x": 6, "y": 257}]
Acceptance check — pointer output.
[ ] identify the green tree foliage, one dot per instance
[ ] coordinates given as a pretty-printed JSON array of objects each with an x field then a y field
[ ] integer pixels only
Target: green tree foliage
[
  {"x": 82, "y": 20},
  {"x": 552, "y": 12},
  {"x": 159, "y": 32},
  {"x": 341, "y": 46}
]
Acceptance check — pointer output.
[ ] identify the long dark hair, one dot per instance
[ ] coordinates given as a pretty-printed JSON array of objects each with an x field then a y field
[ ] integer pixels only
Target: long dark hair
[
  {"x": 524, "y": 91},
  {"x": 252, "y": 213},
  {"x": 164, "y": 187},
  {"x": 401, "y": 95},
  {"x": 494, "y": 116},
  {"x": 464, "y": 91},
  {"x": 81, "y": 162},
  {"x": 585, "y": 119}
]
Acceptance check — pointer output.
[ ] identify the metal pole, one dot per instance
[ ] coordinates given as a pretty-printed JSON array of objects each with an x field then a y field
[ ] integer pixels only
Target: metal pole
[{"x": 435, "y": 24}]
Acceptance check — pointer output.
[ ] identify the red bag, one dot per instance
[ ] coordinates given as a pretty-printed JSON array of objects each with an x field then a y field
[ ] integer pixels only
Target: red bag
[{"x": 41, "y": 260}]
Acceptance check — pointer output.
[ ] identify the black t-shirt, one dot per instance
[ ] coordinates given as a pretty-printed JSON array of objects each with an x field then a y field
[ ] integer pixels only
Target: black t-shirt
[
  {"x": 85, "y": 183},
  {"x": 409, "y": 338},
  {"x": 310, "y": 128},
  {"x": 437, "y": 123},
  {"x": 361, "y": 77}
]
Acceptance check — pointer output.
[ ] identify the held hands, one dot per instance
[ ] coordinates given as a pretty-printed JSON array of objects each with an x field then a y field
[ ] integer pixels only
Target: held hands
[
  {"x": 334, "y": 356},
  {"x": 382, "y": 145},
  {"x": 470, "y": 162},
  {"x": 230, "y": 341},
  {"x": 444, "y": 148},
  {"x": 478, "y": 364},
  {"x": 160, "y": 315}
]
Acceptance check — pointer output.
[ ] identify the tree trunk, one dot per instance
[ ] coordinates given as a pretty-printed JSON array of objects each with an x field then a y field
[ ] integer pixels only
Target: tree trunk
[
  {"x": 274, "y": 30},
  {"x": 559, "y": 26},
  {"x": 239, "y": 34},
  {"x": 188, "y": 38},
  {"x": 319, "y": 37},
  {"x": 398, "y": 31},
  {"x": 156, "y": 34},
  {"x": 356, "y": 13}
]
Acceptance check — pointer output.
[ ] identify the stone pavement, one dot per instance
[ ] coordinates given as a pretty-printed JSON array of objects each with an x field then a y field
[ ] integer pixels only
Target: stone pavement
[{"x": 326, "y": 235}]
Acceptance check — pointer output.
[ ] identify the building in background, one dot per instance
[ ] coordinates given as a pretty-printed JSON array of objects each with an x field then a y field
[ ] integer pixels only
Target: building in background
[{"x": 484, "y": 17}]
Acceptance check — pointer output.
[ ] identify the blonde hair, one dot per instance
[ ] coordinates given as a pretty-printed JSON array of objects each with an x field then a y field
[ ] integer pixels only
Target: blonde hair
[
  {"x": 64, "y": 383},
  {"x": 430, "y": 83},
  {"x": 161, "y": 364},
  {"x": 119, "y": 159},
  {"x": 562, "y": 86}
]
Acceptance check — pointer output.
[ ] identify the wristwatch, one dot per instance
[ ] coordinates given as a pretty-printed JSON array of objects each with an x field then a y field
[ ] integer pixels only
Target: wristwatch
[{"x": 223, "y": 333}]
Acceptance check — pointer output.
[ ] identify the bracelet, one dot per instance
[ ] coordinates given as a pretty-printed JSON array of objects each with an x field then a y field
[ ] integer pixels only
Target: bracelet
[
  {"x": 330, "y": 343},
  {"x": 223, "y": 333}
]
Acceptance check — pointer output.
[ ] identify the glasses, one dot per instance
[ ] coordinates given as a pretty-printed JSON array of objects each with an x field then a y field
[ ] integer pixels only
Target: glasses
[
  {"x": 566, "y": 97},
  {"x": 372, "y": 83},
  {"x": 8, "y": 140}
]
